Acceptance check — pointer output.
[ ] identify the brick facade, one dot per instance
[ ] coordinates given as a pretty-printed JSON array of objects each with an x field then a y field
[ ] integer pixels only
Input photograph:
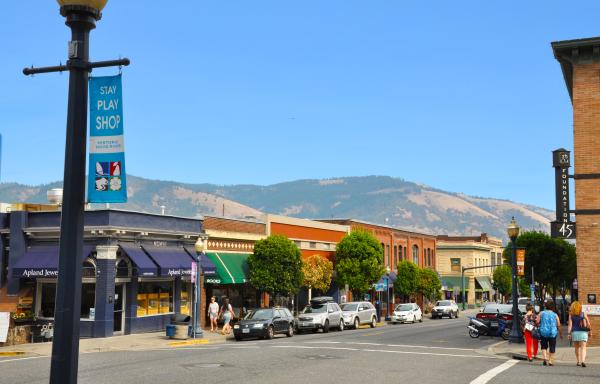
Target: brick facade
[{"x": 580, "y": 63}]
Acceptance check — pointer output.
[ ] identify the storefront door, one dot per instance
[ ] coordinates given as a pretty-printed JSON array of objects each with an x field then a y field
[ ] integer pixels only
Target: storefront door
[{"x": 119, "y": 318}]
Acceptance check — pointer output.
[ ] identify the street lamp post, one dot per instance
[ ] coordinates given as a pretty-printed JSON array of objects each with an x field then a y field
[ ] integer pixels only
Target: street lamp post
[
  {"x": 515, "y": 332},
  {"x": 199, "y": 246},
  {"x": 81, "y": 17}
]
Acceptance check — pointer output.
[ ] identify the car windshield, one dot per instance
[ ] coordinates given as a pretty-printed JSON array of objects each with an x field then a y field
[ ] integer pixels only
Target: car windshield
[
  {"x": 524, "y": 301},
  {"x": 260, "y": 314},
  {"x": 443, "y": 304},
  {"x": 315, "y": 308},
  {"x": 495, "y": 308},
  {"x": 404, "y": 307},
  {"x": 349, "y": 307}
]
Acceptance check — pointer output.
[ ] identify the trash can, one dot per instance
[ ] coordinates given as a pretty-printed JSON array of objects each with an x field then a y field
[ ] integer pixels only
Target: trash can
[{"x": 170, "y": 330}]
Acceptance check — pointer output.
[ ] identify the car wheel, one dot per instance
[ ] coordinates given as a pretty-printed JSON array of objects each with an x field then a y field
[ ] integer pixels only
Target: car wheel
[
  {"x": 433, "y": 317},
  {"x": 421, "y": 318},
  {"x": 456, "y": 315},
  {"x": 356, "y": 323},
  {"x": 450, "y": 316},
  {"x": 414, "y": 320},
  {"x": 373, "y": 322},
  {"x": 341, "y": 327},
  {"x": 506, "y": 334},
  {"x": 270, "y": 333},
  {"x": 290, "y": 331},
  {"x": 326, "y": 326}
]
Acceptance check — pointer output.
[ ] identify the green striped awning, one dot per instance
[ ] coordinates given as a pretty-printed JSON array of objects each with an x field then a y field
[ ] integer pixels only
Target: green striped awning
[
  {"x": 232, "y": 268},
  {"x": 449, "y": 282},
  {"x": 485, "y": 282}
]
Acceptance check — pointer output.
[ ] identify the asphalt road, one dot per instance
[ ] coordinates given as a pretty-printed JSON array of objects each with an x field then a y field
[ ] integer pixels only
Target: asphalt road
[{"x": 428, "y": 352}]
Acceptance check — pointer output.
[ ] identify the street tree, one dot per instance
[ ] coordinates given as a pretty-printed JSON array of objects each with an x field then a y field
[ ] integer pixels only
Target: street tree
[
  {"x": 317, "y": 271},
  {"x": 359, "y": 261},
  {"x": 430, "y": 285},
  {"x": 408, "y": 279},
  {"x": 503, "y": 280},
  {"x": 553, "y": 261},
  {"x": 276, "y": 266}
]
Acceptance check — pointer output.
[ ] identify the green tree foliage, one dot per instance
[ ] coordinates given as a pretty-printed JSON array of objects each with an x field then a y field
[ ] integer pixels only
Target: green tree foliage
[
  {"x": 359, "y": 259},
  {"x": 553, "y": 260},
  {"x": 503, "y": 280},
  {"x": 408, "y": 279},
  {"x": 430, "y": 285},
  {"x": 276, "y": 266},
  {"x": 317, "y": 271}
]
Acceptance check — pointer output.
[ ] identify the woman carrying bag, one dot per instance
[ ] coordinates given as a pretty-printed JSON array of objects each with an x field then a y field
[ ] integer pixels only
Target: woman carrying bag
[
  {"x": 528, "y": 327},
  {"x": 579, "y": 330}
]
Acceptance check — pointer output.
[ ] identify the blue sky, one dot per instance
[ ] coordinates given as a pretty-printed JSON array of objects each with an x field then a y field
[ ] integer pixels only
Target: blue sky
[{"x": 464, "y": 96}]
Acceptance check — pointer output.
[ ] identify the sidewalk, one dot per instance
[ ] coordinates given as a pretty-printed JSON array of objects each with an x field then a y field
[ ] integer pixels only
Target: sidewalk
[
  {"x": 136, "y": 342},
  {"x": 564, "y": 353}
]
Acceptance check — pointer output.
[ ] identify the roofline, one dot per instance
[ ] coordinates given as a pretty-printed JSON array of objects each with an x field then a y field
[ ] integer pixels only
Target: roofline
[
  {"x": 378, "y": 225},
  {"x": 257, "y": 221},
  {"x": 576, "y": 51}
]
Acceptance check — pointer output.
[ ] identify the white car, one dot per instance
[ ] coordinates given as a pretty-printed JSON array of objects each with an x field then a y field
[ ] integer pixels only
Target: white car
[
  {"x": 444, "y": 308},
  {"x": 404, "y": 313}
]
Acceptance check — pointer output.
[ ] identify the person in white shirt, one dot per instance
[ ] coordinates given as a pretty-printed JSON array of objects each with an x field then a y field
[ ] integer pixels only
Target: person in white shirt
[{"x": 213, "y": 314}]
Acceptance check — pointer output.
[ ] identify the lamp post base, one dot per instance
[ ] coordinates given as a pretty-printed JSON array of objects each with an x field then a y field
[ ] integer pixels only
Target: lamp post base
[
  {"x": 198, "y": 334},
  {"x": 515, "y": 338}
]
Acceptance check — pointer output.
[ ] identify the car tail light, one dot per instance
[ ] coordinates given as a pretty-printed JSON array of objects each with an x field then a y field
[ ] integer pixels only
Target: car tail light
[
  {"x": 485, "y": 316},
  {"x": 507, "y": 317}
]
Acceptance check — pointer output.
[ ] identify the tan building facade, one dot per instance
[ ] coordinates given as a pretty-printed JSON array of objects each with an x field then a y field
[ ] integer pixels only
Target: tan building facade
[
  {"x": 580, "y": 64},
  {"x": 457, "y": 252}
]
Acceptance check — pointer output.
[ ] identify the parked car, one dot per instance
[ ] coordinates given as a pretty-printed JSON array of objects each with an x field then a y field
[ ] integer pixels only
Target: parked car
[
  {"x": 490, "y": 310},
  {"x": 407, "y": 312},
  {"x": 444, "y": 308},
  {"x": 522, "y": 304},
  {"x": 322, "y": 313},
  {"x": 356, "y": 313},
  {"x": 265, "y": 323}
]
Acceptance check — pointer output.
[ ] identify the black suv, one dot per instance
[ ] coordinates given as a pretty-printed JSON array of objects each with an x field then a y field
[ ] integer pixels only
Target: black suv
[{"x": 264, "y": 323}]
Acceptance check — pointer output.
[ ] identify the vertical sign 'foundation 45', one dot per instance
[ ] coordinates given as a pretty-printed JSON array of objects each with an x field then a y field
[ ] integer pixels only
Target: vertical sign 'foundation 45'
[
  {"x": 563, "y": 227},
  {"x": 106, "y": 177}
]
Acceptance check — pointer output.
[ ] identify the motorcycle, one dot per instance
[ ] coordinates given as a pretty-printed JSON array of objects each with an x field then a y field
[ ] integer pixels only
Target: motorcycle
[{"x": 497, "y": 327}]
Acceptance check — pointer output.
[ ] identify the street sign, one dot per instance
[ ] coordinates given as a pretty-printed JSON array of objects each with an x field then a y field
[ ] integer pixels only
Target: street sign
[
  {"x": 194, "y": 271},
  {"x": 106, "y": 174},
  {"x": 563, "y": 227},
  {"x": 520, "y": 262}
]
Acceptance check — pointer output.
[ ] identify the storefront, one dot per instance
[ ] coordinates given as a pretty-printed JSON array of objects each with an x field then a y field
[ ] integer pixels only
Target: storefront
[{"x": 136, "y": 269}]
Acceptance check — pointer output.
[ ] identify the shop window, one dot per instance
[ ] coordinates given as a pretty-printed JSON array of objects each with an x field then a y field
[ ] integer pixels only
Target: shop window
[
  {"x": 415, "y": 254},
  {"x": 313, "y": 245},
  {"x": 455, "y": 265},
  {"x": 47, "y": 297},
  {"x": 404, "y": 257},
  {"x": 154, "y": 298},
  {"x": 186, "y": 298}
]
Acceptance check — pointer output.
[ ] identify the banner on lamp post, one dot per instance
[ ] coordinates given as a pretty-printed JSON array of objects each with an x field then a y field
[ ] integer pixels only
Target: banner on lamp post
[
  {"x": 520, "y": 262},
  {"x": 106, "y": 176}
]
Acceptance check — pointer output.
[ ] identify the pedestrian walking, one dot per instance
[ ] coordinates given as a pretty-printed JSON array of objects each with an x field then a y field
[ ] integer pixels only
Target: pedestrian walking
[
  {"x": 528, "y": 324},
  {"x": 227, "y": 314},
  {"x": 549, "y": 325},
  {"x": 213, "y": 314},
  {"x": 579, "y": 329}
]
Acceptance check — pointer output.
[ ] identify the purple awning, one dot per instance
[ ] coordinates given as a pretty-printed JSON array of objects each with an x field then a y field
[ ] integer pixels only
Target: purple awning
[
  {"x": 208, "y": 267},
  {"x": 172, "y": 261},
  {"x": 144, "y": 265},
  {"x": 42, "y": 261}
]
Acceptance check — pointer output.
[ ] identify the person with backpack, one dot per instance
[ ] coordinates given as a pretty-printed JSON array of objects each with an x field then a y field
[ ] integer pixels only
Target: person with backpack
[
  {"x": 528, "y": 324},
  {"x": 578, "y": 331},
  {"x": 549, "y": 326}
]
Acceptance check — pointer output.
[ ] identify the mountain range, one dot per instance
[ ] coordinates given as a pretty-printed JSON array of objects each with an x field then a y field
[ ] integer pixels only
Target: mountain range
[{"x": 378, "y": 199}]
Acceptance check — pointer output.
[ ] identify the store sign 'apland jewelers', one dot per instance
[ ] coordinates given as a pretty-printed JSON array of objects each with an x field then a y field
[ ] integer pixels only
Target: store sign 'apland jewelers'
[{"x": 106, "y": 177}]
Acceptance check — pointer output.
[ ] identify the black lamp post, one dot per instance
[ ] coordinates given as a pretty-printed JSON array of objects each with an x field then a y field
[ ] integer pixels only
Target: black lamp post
[
  {"x": 515, "y": 332},
  {"x": 81, "y": 17}
]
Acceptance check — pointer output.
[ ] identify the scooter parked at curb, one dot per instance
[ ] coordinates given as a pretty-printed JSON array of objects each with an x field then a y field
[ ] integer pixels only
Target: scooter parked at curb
[{"x": 497, "y": 327}]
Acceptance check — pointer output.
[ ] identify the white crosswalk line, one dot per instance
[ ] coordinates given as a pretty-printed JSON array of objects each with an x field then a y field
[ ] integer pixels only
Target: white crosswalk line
[{"x": 489, "y": 375}]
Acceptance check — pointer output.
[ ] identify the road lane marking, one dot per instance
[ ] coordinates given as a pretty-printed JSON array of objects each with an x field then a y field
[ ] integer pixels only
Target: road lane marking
[
  {"x": 386, "y": 351},
  {"x": 22, "y": 358},
  {"x": 390, "y": 345},
  {"x": 489, "y": 375}
]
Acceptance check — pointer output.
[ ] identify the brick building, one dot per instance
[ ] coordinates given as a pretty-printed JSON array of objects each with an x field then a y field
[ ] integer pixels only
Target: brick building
[
  {"x": 398, "y": 245},
  {"x": 580, "y": 64}
]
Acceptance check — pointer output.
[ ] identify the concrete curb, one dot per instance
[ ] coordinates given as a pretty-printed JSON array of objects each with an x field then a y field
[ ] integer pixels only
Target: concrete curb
[{"x": 493, "y": 349}]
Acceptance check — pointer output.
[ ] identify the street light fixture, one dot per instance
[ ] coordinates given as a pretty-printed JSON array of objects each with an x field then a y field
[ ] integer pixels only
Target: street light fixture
[
  {"x": 81, "y": 17},
  {"x": 199, "y": 246},
  {"x": 515, "y": 332}
]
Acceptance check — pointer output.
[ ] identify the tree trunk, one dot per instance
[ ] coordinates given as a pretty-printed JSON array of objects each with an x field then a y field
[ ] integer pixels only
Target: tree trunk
[{"x": 309, "y": 293}]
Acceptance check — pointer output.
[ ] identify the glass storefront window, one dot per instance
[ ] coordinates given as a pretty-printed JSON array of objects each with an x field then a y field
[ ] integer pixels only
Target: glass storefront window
[
  {"x": 47, "y": 297},
  {"x": 155, "y": 298},
  {"x": 186, "y": 298}
]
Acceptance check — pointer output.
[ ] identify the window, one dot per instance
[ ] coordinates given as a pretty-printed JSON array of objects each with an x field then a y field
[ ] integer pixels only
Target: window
[
  {"x": 428, "y": 257},
  {"x": 404, "y": 253},
  {"x": 455, "y": 265},
  {"x": 123, "y": 268},
  {"x": 186, "y": 298},
  {"x": 312, "y": 244},
  {"x": 155, "y": 298},
  {"x": 88, "y": 268},
  {"x": 415, "y": 251},
  {"x": 47, "y": 297}
]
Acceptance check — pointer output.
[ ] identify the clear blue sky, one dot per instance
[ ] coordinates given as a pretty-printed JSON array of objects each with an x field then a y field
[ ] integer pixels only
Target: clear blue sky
[{"x": 464, "y": 96}]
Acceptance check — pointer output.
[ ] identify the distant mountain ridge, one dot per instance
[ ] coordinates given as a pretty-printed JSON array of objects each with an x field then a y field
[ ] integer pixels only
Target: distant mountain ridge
[{"x": 378, "y": 199}]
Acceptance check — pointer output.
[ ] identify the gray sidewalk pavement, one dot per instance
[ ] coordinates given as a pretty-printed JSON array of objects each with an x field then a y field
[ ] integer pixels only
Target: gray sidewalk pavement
[
  {"x": 564, "y": 352},
  {"x": 139, "y": 342}
]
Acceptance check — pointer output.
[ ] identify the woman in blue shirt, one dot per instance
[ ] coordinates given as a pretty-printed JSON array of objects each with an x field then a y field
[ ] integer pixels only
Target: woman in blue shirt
[{"x": 549, "y": 325}]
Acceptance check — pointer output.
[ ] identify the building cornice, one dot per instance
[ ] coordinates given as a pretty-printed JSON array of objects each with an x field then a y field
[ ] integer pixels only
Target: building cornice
[{"x": 574, "y": 52}]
